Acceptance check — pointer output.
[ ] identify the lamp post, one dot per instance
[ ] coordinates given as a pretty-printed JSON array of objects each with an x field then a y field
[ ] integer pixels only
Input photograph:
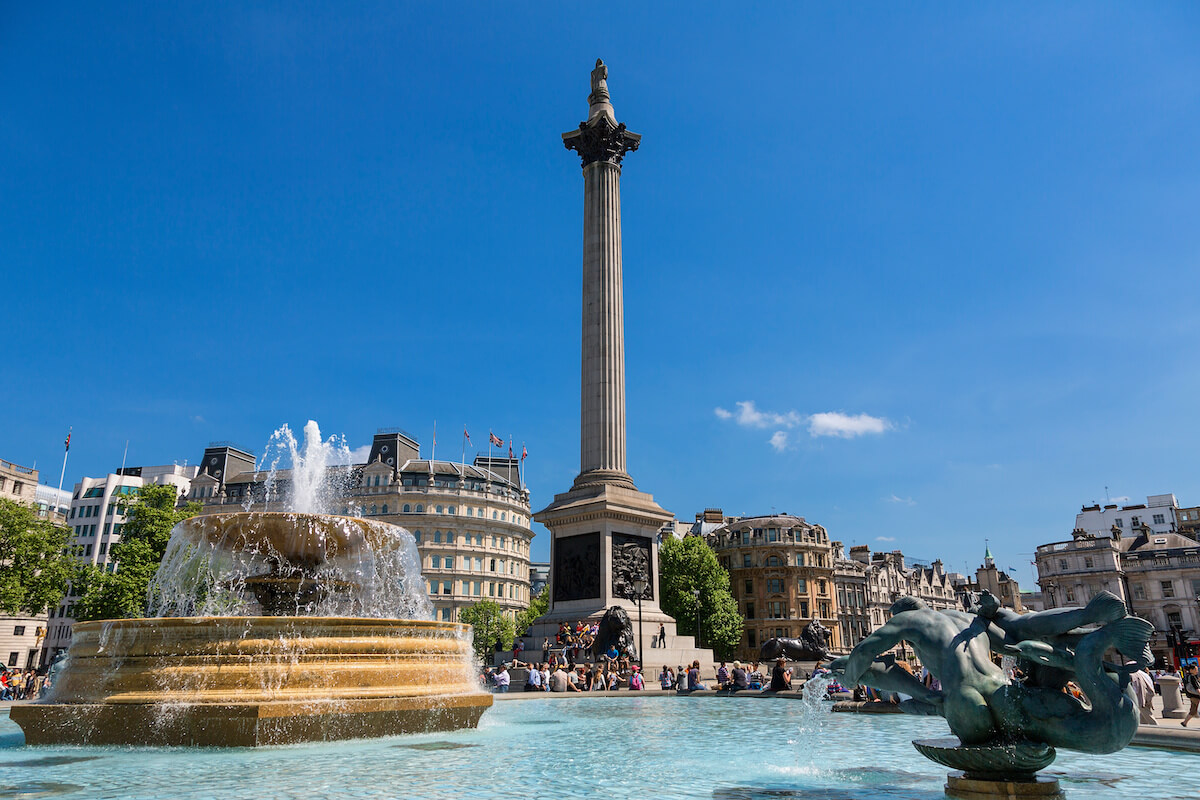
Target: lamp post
[
  {"x": 696, "y": 594},
  {"x": 639, "y": 588}
]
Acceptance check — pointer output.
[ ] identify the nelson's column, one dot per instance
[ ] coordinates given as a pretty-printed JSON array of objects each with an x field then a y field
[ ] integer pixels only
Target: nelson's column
[{"x": 604, "y": 532}]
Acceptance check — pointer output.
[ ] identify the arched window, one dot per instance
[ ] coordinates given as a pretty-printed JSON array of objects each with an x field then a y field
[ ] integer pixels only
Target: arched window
[
  {"x": 494, "y": 515},
  {"x": 407, "y": 508},
  {"x": 376, "y": 480},
  {"x": 452, "y": 509},
  {"x": 385, "y": 508},
  {"x": 373, "y": 509},
  {"x": 439, "y": 509},
  {"x": 417, "y": 536},
  {"x": 470, "y": 511},
  {"x": 437, "y": 537},
  {"x": 420, "y": 508},
  {"x": 503, "y": 517}
]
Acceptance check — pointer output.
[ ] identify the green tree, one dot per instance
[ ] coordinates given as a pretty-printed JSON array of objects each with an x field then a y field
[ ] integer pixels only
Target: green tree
[
  {"x": 150, "y": 514},
  {"x": 491, "y": 626},
  {"x": 538, "y": 606},
  {"x": 35, "y": 565},
  {"x": 686, "y": 565}
]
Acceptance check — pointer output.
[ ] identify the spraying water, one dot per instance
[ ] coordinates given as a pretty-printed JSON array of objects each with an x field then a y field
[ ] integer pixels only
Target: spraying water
[{"x": 320, "y": 471}]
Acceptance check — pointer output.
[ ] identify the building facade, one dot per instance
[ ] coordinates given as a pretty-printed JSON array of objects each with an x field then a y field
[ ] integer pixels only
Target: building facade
[
  {"x": 471, "y": 521},
  {"x": 1156, "y": 574},
  {"x": 1159, "y": 512},
  {"x": 853, "y": 609},
  {"x": 781, "y": 573},
  {"x": 989, "y": 578}
]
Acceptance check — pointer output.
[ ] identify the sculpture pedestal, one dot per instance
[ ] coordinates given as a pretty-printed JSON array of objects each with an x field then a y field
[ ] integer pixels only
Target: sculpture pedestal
[
  {"x": 964, "y": 788},
  {"x": 1172, "y": 701}
]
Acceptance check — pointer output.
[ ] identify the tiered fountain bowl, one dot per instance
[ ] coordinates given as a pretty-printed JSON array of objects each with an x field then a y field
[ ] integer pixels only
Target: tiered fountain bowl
[{"x": 265, "y": 678}]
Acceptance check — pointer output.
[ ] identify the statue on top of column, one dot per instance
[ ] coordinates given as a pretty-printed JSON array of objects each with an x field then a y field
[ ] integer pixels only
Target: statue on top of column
[{"x": 598, "y": 101}]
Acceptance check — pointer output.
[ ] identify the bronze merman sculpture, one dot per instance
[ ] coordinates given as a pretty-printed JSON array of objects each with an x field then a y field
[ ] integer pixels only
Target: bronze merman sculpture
[{"x": 1005, "y": 727}]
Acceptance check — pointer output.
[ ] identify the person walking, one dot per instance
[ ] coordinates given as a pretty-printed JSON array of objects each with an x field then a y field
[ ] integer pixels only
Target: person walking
[
  {"x": 1191, "y": 688},
  {"x": 662, "y": 635},
  {"x": 1143, "y": 687}
]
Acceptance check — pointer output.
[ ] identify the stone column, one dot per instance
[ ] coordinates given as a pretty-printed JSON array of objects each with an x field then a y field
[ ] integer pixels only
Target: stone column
[
  {"x": 602, "y": 143},
  {"x": 1172, "y": 702}
]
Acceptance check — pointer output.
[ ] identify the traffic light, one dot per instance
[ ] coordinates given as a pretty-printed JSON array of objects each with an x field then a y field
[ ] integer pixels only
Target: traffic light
[{"x": 1172, "y": 641}]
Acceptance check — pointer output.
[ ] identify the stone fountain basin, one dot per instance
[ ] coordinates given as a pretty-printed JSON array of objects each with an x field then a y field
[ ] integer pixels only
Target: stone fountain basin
[
  {"x": 300, "y": 538},
  {"x": 244, "y": 681}
]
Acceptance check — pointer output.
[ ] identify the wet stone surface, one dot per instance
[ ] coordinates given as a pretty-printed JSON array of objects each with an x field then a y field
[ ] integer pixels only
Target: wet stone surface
[{"x": 37, "y": 789}]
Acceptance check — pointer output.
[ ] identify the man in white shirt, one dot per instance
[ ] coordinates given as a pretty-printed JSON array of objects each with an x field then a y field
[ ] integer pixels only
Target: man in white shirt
[
  {"x": 1143, "y": 687},
  {"x": 558, "y": 680},
  {"x": 502, "y": 680},
  {"x": 533, "y": 682}
]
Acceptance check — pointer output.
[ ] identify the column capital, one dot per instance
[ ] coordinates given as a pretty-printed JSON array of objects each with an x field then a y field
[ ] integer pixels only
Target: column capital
[{"x": 601, "y": 140}]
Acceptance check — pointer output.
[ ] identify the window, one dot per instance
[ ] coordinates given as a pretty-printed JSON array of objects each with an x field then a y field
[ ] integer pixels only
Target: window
[
  {"x": 772, "y": 534},
  {"x": 476, "y": 588},
  {"x": 750, "y": 638},
  {"x": 453, "y": 510},
  {"x": 103, "y": 548},
  {"x": 1139, "y": 592},
  {"x": 407, "y": 508},
  {"x": 1120, "y": 522},
  {"x": 1174, "y": 619},
  {"x": 1087, "y": 562},
  {"x": 435, "y": 562},
  {"x": 745, "y": 537},
  {"x": 385, "y": 508},
  {"x": 801, "y": 585},
  {"x": 438, "y": 509},
  {"x": 495, "y": 514},
  {"x": 420, "y": 508},
  {"x": 803, "y": 608},
  {"x": 775, "y": 609},
  {"x": 1168, "y": 588},
  {"x": 446, "y": 615},
  {"x": 493, "y": 566},
  {"x": 774, "y": 561},
  {"x": 775, "y": 585},
  {"x": 749, "y": 586},
  {"x": 417, "y": 536},
  {"x": 1070, "y": 595},
  {"x": 447, "y": 587},
  {"x": 12, "y": 657},
  {"x": 449, "y": 537},
  {"x": 1133, "y": 522},
  {"x": 437, "y": 537},
  {"x": 479, "y": 565},
  {"x": 19, "y": 630},
  {"x": 749, "y": 610},
  {"x": 1159, "y": 519},
  {"x": 374, "y": 510},
  {"x": 799, "y": 559},
  {"x": 1195, "y": 587},
  {"x": 1062, "y": 563},
  {"x": 745, "y": 559},
  {"x": 821, "y": 589}
]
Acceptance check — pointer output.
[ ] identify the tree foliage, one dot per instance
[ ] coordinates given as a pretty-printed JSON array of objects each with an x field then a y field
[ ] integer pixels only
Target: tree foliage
[
  {"x": 492, "y": 627},
  {"x": 686, "y": 565},
  {"x": 35, "y": 566},
  {"x": 538, "y": 605},
  {"x": 150, "y": 514}
]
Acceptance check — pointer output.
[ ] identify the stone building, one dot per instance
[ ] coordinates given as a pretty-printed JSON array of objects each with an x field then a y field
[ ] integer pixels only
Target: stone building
[
  {"x": 1157, "y": 574},
  {"x": 1159, "y": 512},
  {"x": 853, "y": 610},
  {"x": 471, "y": 521},
  {"x": 781, "y": 572},
  {"x": 988, "y": 578}
]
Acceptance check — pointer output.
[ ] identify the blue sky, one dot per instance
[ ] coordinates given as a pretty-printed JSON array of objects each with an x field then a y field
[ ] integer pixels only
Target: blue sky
[{"x": 973, "y": 223}]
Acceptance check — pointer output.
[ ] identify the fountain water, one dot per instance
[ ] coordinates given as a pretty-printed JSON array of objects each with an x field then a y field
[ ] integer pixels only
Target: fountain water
[{"x": 270, "y": 627}]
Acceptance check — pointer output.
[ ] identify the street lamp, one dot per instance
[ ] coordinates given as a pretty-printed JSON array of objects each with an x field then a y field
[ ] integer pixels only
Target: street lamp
[
  {"x": 696, "y": 594},
  {"x": 639, "y": 588}
]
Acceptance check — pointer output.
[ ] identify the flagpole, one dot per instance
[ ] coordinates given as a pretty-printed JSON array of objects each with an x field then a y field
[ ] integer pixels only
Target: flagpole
[
  {"x": 63, "y": 474},
  {"x": 510, "y": 458},
  {"x": 433, "y": 450}
]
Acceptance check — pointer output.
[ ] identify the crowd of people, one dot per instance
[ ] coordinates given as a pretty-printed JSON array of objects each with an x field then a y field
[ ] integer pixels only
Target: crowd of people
[
  {"x": 570, "y": 677},
  {"x": 20, "y": 685}
]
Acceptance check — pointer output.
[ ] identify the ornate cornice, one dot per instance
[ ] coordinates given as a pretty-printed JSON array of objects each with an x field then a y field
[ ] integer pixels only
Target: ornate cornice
[{"x": 601, "y": 140}]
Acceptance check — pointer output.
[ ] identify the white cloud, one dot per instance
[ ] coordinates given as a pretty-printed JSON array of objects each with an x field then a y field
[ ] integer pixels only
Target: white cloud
[
  {"x": 779, "y": 441},
  {"x": 357, "y": 456},
  {"x": 845, "y": 426},
  {"x": 825, "y": 423},
  {"x": 1121, "y": 499},
  {"x": 885, "y": 538},
  {"x": 908, "y": 501}
]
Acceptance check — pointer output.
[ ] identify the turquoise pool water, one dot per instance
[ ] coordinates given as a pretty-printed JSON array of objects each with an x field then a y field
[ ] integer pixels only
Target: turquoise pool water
[{"x": 564, "y": 749}]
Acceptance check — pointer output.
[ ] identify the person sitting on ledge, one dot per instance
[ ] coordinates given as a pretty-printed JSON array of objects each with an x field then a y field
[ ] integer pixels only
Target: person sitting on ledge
[
  {"x": 693, "y": 678},
  {"x": 666, "y": 678},
  {"x": 781, "y": 677},
  {"x": 723, "y": 676},
  {"x": 739, "y": 679},
  {"x": 635, "y": 679}
]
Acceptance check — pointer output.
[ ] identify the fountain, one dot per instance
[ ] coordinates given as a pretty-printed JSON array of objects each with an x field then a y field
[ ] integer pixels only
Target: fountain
[
  {"x": 1006, "y": 730},
  {"x": 269, "y": 628}
]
